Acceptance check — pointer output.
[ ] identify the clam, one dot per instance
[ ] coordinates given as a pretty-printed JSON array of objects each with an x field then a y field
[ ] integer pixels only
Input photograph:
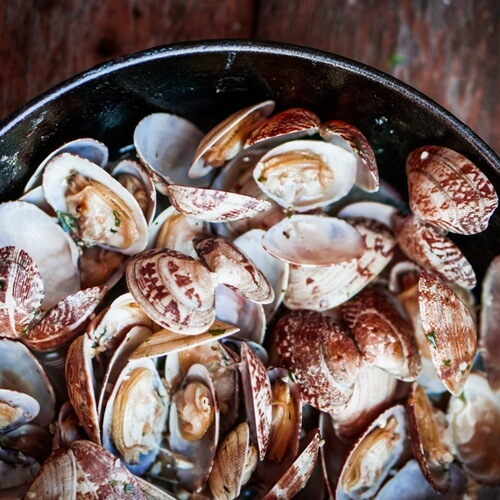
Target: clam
[
  {"x": 135, "y": 415},
  {"x": 234, "y": 269},
  {"x": 352, "y": 139},
  {"x": 323, "y": 359},
  {"x": 213, "y": 205},
  {"x": 101, "y": 267},
  {"x": 165, "y": 144},
  {"x": 384, "y": 337},
  {"x": 52, "y": 250},
  {"x": 448, "y": 191},
  {"x": 474, "y": 418},
  {"x": 290, "y": 124},
  {"x": 381, "y": 212},
  {"x": 176, "y": 291},
  {"x": 17, "y": 471},
  {"x": 430, "y": 438},
  {"x": 21, "y": 291},
  {"x": 313, "y": 240},
  {"x": 226, "y": 139},
  {"x": 434, "y": 252},
  {"x": 303, "y": 175},
  {"x": 373, "y": 455},
  {"x": 449, "y": 329},
  {"x": 95, "y": 207},
  {"x": 16, "y": 409}
]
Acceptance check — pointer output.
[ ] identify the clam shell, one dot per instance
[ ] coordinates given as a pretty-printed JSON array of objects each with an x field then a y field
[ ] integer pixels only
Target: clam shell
[
  {"x": 21, "y": 291},
  {"x": 430, "y": 439},
  {"x": 165, "y": 144},
  {"x": 384, "y": 337},
  {"x": 323, "y": 359},
  {"x": 55, "y": 176},
  {"x": 323, "y": 288},
  {"x": 299, "y": 472},
  {"x": 226, "y": 139},
  {"x": 447, "y": 190},
  {"x": 373, "y": 455},
  {"x": 381, "y": 212},
  {"x": 489, "y": 336},
  {"x": 258, "y": 398},
  {"x": 449, "y": 329},
  {"x": 86, "y": 147},
  {"x": 434, "y": 252},
  {"x": 352, "y": 139},
  {"x": 303, "y": 175},
  {"x": 52, "y": 250},
  {"x": 290, "y": 124},
  {"x": 234, "y": 269},
  {"x": 173, "y": 289},
  {"x": 101, "y": 267},
  {"x": 212, "y": 205},
  {"x": 313, "y": 240},
  {"x": 16, "y": 409},
  {"x": 474, "y": 418},
  {"x": 200, "y": 452},
  {"x": 66, "y": 320}
]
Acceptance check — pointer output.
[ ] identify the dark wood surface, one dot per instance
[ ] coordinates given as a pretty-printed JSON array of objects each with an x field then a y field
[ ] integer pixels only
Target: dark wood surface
[{"x": 447, "y": 49}]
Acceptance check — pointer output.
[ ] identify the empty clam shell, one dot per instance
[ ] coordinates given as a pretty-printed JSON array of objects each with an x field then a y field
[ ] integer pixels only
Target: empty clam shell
[
  {"x": 313, "y": 240},
  {"x": 21, "y": 291},
  {"x": 306, "y": 174},
  {"x": 287, "y": 125},
  {"x": 323, "y": 359},
  {"x": 226, "y": 139},
  {"x": 449, "y": 329},
  {"x": 449, "y": 191},
  {"x": 234, "y": 269},
  {"x": 165, "y": 144},
  {"x": 351, "y": 138},
  {"x": 434, "y": 252},
  {"x": 212, "y": 205},
  {"x": 175, "y": 291}
]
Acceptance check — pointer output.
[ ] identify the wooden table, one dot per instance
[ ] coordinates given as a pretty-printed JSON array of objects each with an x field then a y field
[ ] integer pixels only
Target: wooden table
[{"x": 447, "y": 49}]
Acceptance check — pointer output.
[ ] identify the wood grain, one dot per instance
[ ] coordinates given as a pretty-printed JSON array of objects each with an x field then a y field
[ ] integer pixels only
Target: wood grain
[{"x": 448, "y": 49}]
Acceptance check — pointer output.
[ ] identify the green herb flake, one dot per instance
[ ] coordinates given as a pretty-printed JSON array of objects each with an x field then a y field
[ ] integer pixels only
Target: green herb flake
[
  {"x": 112, "y": 483},
  {"x": 395, "y": 60},
  {"x": 217, "y": 331},
  {"x": 447, "y": 363},
  {"x": 3, "y": 285},
  {"x": 68, "y": 222},
  {"x": 262, "y": 178},
  {"x": 113, "y": 230},
  {"x": 289, "y": 213},
  {"x": 118, "y": 218},
  {"x": 431, "y": 337},
  {"x": 291, "y": 376},
  {"x": 128, "y": 488}
]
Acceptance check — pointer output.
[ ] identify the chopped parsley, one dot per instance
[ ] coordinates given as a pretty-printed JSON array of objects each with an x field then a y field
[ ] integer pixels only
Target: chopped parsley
[
  {"x": 3, "y": 285},
  {"x": 67, "y": 221},
  {"x": 431, "y": 337},
  {"x": 447, "y": 363},
  {"x": 118, "y": 218},
  {"x": 217, "y": 331},
  {"x": 127, "y": 488},
  {"x": 262, "y": 178},
  {"x": 395, "y": 59},
  {"x": 112, "y": 483}
]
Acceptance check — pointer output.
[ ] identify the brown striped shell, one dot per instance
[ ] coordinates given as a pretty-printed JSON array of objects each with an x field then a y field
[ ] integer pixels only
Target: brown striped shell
[{"x": 447, "y": 190}]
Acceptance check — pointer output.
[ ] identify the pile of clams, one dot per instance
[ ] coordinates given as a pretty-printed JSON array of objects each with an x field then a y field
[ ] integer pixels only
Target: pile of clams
[{"x": 242, "y": 313}]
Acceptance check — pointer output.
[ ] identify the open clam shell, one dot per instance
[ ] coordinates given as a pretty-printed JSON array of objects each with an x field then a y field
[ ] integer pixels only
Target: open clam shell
[
  {"x": 165, "y": 144},
  {"x": 351, "y": 138},
  {"x": 303, "y": 175},
  {"x": 52, "y": 250},
  {"x": 213, "y": 205},
  {"x": 99, "y": 209},
  {"x": 373, "y": 455},
  {"x": 234, "y": 269},
  {"x": 226, "y": 139},
  {"x": 290, "y": 124},
  {"x": 433, "y": 251},
  {"x": 16, "y": 409},
  {"x": 430, "y": 438},
  {"x": 21, "y": 291},
  {"x": 449, "y": 329},
  {"x": 135, "y": 415},
  {"x": 173, "y": 289},
  {"x": 323, "y": 359},
  {"x": 194, "y": 410},
  {"x": 313, "y": 240},
  {"x": 447, "y": 190}
]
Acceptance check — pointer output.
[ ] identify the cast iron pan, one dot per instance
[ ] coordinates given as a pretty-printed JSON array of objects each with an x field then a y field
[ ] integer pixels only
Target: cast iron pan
[{"x": 205, "y": 81}]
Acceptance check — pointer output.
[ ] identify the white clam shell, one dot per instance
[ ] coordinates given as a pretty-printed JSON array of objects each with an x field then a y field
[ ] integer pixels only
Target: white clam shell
[
  {"x": 306, "y": 174},
  {"x": 313, "y": 240}
]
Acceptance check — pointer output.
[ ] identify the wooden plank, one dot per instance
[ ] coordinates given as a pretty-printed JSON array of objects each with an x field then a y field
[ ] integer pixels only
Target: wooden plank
[
  {"x": 44, "y": 42},
  {"x": 448, "y": 49}
]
